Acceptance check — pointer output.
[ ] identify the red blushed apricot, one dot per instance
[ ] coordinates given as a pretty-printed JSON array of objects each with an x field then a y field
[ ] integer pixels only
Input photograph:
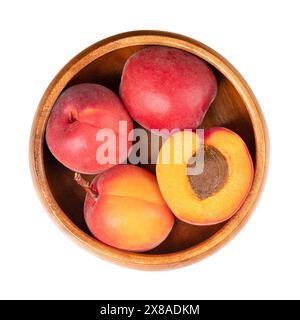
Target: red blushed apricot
[
  {"x": 76, "y": 118},
  {"x": 219, "y": 190},
  {"x": 167, "y": 88},
  {"x": 125, "y": 209}
]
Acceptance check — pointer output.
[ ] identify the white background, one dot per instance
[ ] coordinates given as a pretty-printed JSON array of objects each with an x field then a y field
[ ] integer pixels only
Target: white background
[{"x": 260, "y": 38}]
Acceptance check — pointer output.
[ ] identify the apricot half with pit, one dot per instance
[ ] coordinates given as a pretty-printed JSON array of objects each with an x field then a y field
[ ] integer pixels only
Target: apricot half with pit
[{"x": 219, "y": 189}]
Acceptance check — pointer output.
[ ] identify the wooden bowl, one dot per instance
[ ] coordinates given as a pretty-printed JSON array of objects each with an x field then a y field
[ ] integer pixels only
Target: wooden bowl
[{"x": 235, "y": 107}]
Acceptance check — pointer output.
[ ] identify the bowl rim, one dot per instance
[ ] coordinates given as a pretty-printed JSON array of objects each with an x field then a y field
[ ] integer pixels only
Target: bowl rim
[{"x": 144, "y": 260}]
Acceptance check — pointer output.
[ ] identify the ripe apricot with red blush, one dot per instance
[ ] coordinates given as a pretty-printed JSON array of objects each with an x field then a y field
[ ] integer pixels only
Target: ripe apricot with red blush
[
  {"x": 125, "y": 209},
  {"x": 167, "y": 88},
  {"x": 75, "y": 120}
]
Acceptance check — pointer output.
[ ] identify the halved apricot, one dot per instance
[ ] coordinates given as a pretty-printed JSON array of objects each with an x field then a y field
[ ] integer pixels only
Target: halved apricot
[{"x": 219, "y": 190}]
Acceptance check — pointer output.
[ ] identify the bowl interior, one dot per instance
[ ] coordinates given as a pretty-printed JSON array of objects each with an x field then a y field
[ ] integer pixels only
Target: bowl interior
[{"x": 227, "y": 110}]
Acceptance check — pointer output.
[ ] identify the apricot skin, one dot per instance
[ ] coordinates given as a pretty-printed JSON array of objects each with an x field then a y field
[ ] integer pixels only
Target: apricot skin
[
  {"x": 220, "y": 206},
  {"x": 75, "y": 119},
  {"x": 167, "y": 88},
  {"x": 129, "y": 212}
]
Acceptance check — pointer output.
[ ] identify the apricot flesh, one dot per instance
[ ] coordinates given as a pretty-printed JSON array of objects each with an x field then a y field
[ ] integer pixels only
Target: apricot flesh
[
  {"x": 222, "y": 187},
  {"x": 129, "y": 211},
  {"x": 167, "y": 88},
  {"x": 76, "y": 118}
]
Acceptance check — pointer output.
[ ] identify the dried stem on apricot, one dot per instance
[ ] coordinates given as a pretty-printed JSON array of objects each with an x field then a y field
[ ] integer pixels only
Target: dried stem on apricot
[{"x": 85, "y": 185}]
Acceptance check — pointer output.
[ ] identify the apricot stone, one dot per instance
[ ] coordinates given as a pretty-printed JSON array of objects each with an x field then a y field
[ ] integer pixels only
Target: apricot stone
[
  {"x": 219, "y": 190},
  {"x": 128, "y": 211},
  {"x": 76, "y": 118},
  {"x": 167, "y": 88}
]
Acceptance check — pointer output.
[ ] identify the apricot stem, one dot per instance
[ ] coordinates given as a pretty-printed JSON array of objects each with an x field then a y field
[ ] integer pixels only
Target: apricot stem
[{"x": 85, "y": 185}]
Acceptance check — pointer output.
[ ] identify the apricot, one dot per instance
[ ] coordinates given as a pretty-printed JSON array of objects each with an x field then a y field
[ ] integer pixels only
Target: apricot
[
  {"x": 167, "y": 88},
  {"x": 125, "y": 209},
  {"x": 216, "y": 193},
  {"x": 76, "y": 118}
]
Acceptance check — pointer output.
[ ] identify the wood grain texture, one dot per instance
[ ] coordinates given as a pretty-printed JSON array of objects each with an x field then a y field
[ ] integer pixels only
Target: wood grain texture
[{"x": 235, "y": 107}]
